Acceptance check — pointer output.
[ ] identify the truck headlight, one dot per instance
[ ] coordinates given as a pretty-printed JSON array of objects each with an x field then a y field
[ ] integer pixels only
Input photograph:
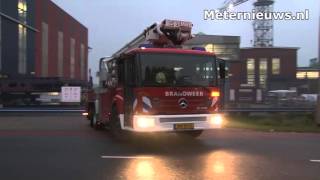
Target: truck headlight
[
  {"x": 216, "y": 120},
  {"x": 144, "y": 122}
]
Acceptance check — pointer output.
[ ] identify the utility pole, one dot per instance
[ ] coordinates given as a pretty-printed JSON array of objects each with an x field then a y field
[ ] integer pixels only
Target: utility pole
[{"x": 318, "y": 105}]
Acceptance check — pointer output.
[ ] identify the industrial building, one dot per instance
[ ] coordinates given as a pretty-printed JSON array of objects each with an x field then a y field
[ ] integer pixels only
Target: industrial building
[
  {"x": 225, "y": 47},
  {"x": 261, "y": 70},
  {"x": 41, "y": 48},
  {"x": 308, "y": 77},
  {"x": 255, "y": 71}
]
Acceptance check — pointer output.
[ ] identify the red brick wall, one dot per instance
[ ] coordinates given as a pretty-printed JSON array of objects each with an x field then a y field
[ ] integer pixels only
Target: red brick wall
[
  {"x": 59, "y": 20},
  {"x": 288, "y": 59},
  {"x": 235, "y": 69},
  {"x": 288, "y": 65}
]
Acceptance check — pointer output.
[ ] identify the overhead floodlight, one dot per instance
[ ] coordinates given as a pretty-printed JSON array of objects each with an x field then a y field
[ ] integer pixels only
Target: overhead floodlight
[{"x": 231, "y": 7}]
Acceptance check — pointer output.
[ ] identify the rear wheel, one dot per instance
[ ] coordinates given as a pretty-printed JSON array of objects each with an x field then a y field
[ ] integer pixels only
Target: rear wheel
[
  {"x": 193, "y": 134},
  {"x": 92, "y": 117},
  {"x": 95, "y": 123},
  {"x": 93, "y": 120},
  {"x": 91, "y": 112}
]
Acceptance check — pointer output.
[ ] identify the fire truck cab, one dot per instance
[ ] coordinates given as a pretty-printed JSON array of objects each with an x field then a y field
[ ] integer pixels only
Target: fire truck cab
[{"x": 158, "y": 89}]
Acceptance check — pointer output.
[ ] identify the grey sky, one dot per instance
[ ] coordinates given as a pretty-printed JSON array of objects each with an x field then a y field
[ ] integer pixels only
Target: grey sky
[{"x": 111, "y": 24}]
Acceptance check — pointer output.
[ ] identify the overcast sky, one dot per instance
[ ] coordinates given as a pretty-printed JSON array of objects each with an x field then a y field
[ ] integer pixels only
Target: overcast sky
[{"x": 111, "y": 24}]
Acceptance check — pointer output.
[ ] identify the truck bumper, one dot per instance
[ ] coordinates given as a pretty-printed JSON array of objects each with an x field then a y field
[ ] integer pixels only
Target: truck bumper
[{"x": 162, "y": 123}]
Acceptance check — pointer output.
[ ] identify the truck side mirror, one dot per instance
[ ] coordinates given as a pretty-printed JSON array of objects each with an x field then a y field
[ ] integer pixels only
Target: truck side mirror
[{"x": 222, "y": 69}]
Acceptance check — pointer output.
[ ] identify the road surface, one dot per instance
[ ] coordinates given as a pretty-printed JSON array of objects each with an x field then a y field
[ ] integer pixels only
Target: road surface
[{"x": 55, "y": 146}]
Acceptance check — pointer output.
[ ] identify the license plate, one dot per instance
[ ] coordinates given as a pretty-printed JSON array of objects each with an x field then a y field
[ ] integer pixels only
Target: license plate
[{"x": 184, "y": 126}]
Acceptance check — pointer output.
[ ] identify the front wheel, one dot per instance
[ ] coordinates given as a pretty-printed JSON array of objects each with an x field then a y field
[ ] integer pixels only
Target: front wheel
[{"x": 193, "y": 134}]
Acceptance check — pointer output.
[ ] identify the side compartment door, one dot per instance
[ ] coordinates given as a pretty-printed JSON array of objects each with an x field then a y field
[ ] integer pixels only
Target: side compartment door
[
  {"x": 105, "y": 92},
  {"x": 129, "y": 85}
]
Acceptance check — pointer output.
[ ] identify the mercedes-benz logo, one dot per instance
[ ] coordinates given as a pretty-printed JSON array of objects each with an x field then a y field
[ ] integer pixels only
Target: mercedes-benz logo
[{"x": 183, "y": 103}]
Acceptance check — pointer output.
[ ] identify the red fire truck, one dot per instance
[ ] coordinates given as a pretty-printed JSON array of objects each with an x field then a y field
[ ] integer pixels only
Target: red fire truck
[{"x": 152, "y": 84}]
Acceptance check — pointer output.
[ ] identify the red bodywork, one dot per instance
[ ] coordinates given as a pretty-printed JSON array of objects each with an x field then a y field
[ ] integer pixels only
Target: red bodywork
[
  {"x": 165, "y": 101},
  {"x": 160, "y": 100}
]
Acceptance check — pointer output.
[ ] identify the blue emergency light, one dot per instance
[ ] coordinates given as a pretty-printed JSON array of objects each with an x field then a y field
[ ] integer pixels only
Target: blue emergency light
[
  {"x": 199, "y": 48},
  {"x": 146, "y": 46}
]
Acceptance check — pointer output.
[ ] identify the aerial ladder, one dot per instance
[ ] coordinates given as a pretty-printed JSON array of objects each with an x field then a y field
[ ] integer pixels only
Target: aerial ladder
[{"x": 168, "y": 33}]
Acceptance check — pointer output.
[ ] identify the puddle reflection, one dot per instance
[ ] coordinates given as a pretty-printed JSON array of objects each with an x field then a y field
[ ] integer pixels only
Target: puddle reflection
[
  {"x": 214, "y": 165},
  {"x": 148, "y": 169},
  {"x": 220, "y": 165}
]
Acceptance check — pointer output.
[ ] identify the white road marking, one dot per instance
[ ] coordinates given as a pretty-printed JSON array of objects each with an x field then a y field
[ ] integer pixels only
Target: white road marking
[
  {"x": 127, "y": 157},
  {"x": 317, "y": 161}
]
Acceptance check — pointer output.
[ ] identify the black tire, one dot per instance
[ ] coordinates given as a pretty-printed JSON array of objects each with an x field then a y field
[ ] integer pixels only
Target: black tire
[
  {"x": 96, "y": 124},
  {"x": 193, "y": 134},
  {"x": 91, "y": 112},
  {"x": 91, "y": 115},
  {"x": 91, "y": 120}
]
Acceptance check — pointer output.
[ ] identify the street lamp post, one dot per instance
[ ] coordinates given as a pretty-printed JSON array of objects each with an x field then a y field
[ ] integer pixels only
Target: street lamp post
[{"x": 318, "y": 105}]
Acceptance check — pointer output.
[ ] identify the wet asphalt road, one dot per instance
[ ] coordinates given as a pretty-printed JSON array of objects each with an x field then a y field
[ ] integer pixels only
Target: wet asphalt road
[{"x": 65, "y": 147}]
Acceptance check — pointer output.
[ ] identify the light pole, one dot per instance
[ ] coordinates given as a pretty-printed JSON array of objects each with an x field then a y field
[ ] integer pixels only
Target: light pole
[{"x": 318, "y": 105}]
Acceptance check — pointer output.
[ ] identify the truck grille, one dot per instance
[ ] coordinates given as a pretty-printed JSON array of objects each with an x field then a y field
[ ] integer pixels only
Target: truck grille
[{"x": 182, "y": 119}]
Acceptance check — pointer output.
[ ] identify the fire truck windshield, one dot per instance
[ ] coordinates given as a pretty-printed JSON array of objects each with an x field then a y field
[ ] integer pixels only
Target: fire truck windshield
[{"x": 178, "y": 70}]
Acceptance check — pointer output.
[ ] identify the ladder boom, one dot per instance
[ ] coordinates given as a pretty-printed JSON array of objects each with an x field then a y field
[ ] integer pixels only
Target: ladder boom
[{"x": 168, "y": 33}]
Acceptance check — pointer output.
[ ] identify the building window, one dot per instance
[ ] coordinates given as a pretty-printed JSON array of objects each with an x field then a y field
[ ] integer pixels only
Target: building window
[
  {"x": 276, "y": 66},
  {"x": 308, "y": 75},
  {"x": 22, "y": 39},
  {"x": 72, "y": 58},
  {"x": 22, "y": 44},
  {"x": 82, "y": 62},
  {"x": 263, "y": 72},
  {"x": 251, "y": 72},
  {"x": 301, "y": 75},
  {"x": 223, "y": 51},
  {"x": 22, "y": 11},
  {"x": 60, "y": 54},
  {"x": 44, "y": 41},
  {"x": 313, "y": 75}
]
